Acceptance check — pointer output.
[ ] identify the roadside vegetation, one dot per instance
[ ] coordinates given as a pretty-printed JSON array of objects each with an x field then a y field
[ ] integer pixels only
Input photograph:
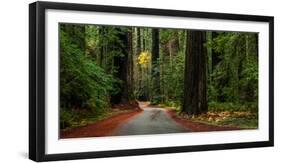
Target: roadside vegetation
[{"x": 206, "y": 76}]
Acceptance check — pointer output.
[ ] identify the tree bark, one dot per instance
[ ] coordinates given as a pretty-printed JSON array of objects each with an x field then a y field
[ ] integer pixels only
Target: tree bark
[
  {"x": 139, "y": 69},
  {"x": 257, "y": 46},
  {"x": 121, "y": 63},
  {"x": 143, "y": 40},
  {"x": 155, "y": 71},
  {"x": 101, "y": 33},
  {"x": 131, "y": 64},
  {"x": 209, "y": 56},
  {"x": 195, "y": 89},
  {"x": 215, "y": 60},
  {"x": 215, "y": 55}
]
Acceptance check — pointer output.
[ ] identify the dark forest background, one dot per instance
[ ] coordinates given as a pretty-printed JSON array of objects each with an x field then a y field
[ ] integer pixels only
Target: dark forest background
[{"x": 194, "y": 72}]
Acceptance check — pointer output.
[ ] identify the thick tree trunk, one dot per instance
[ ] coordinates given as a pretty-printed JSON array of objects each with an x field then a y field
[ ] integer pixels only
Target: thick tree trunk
[
  {"x": 138, "y": 41},
  {"x": 195, "y": 89},
  {"x": 155, "y": 71},
  {"x": 209, "y": 56},
  {"x": 257, "y": 46},
  {"x": 131, "y": 64},
  {"x": 121, "y": 63},
  {"x": 139, "y": 68}
]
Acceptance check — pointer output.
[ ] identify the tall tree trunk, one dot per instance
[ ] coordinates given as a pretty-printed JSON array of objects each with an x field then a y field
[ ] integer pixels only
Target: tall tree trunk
[
  {"x": 170, "y": 49},
  {"x": 173, "y": 49},
  {"x": 215, "y": 60},
  {"x": 247, "y": 47},
  {"x": 138, "y": 41},
  {"x": 155, "y": 70},
  {"x": 130, "y": 66},
  {"x": 257, "y": 46},
  {"x": 121, "y": 63},
  {"x": 139, "y": 69},
  {"x": 101, "y": 33},
  {"x": 143, "y": 40},
  {"x": 209, "y": 56},
  {"x": 215, "y": 55},
  {"x": 195, "y": 89}
]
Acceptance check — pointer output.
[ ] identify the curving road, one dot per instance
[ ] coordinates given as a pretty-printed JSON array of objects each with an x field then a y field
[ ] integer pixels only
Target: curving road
[{"x": 151, "y": 121}]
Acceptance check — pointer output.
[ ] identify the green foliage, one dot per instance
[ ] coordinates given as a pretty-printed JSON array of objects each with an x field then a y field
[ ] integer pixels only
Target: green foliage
[
  {"x": 172, "y": 77},
  {"x": 234, "y": 79},
  {"x": 71, "y": 118},
  {"x": 231, "y": 106},
  {"x": 89, "y": 72},
  {"x": 172, "y": 58},
  {"x": 83, "y": 84},
  {"x": 247, "y": 122}
]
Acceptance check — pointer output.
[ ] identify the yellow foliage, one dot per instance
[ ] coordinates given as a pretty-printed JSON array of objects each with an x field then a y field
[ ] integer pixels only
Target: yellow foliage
[{"x": 144, "y": 58}]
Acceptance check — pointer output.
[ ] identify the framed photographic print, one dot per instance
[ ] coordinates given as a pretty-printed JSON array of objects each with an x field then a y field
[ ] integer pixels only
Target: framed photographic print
[{"x": 111, "y": 81}]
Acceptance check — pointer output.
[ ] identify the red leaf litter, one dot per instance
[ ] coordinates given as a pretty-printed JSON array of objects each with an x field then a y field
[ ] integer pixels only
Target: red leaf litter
[
  {"x": 197, "y": 126},
  {"x": 126, "y": 106},
  {"x": 108, "y": 126},
  {"x": 105, "y": 127}
]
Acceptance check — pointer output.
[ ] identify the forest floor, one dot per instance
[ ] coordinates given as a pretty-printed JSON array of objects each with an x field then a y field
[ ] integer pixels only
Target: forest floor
[
  {"x": 142, "y": 120},
  {"x": 215, "y": 119},
  {"x": 197, "y": 126},
  {"x": 106, "y": 126}
]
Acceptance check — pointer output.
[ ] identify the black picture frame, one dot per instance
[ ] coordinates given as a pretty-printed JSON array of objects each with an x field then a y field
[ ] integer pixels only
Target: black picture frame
[{"x": 37, "y": 80}]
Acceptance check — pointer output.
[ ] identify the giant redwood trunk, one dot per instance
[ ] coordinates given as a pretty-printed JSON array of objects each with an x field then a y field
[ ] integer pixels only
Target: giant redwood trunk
[
  {"x": 155, "y": 71},
  {"x": 138, "y": 41},
  {"x": 195, "y": 89},
  {"x": 120, "y": 63},
  {"x": 130, "y": 64}
]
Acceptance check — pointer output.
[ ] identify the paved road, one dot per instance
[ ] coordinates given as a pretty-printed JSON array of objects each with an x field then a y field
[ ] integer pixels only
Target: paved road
[{"x": 151, "y": 121}]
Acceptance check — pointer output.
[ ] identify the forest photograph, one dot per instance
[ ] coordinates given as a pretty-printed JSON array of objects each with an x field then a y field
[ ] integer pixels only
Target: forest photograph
[{"x": 126, "y": 80}]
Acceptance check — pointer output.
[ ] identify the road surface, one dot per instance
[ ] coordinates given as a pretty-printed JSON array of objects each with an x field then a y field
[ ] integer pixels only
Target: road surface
[{"x": 151, "y": 121}]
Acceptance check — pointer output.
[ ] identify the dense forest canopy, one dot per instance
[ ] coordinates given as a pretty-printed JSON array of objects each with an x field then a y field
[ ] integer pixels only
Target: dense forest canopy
[{"x": 194, "y": 71}]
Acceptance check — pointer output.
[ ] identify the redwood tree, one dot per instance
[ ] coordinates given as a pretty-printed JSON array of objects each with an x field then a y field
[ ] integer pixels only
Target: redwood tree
[
  {"x": 155, "y": 70},
  {"x": 195, "y": 92},
  {"x": 121, "y": 63}
]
